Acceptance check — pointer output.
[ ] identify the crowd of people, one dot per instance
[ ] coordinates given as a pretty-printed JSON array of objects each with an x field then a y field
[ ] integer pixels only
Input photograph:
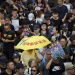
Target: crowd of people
[{"x": 25, "y": 18}]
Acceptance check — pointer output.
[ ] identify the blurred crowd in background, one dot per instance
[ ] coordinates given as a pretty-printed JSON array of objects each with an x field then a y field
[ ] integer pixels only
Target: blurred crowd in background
[{"x": 54, "y": 19}]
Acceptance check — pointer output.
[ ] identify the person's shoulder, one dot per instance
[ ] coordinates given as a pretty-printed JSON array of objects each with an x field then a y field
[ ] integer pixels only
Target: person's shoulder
[{"x": 64, "y": 6}]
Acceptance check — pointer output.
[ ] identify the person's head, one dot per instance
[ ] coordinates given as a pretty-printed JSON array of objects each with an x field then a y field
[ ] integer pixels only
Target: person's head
[
  {"x": 26, "y": 28},
  {"x": 55, "y": 30},
  {"x": 16, "y": 57},
  {"x": 14, "y": 13},
  {"x": 7, "y": 27},
  {"x": 10, "y": 65},
  {"x": 32, "y": 63},
  {"x": 33, "y": 71},
  {"x": 43, "y": 26},
  {"x": 20, "y": 68},
  {"x": 72, "y": 39},
  {"x": 63, "y": 41},
  {"x": 7, "y": 20},
  {"x": 3, "y": 61},
  {"x": 48, "y": 55},
  {"x": 55, "y": 15},
  {"x": 36, "y": 30},
  {"x": 60, "y": 2}
]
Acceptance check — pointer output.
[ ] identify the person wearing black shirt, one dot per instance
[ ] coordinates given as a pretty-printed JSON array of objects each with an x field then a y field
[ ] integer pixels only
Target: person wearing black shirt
[
  {"x": 7, "y": 21},
  {"x": 3, "y": 59},
  {"x": 55, "y": 67},
  {"x": 16, "y": 59},
  {"x": 19, "y": 69},
  {"x": 9, "y": 69},
  {"x": 8, "y": 38},
  {"x": 61, "y": 9},
  {"x": 55, "y": 20}
]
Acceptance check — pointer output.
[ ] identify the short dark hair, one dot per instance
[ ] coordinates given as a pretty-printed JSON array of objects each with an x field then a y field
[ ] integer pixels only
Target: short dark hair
[
  {"x": 63, "y": 37},
  {"x": 14, "y": 10},
  {"x": 9, "y": 61},
  {"x": 19, "y": 66}
]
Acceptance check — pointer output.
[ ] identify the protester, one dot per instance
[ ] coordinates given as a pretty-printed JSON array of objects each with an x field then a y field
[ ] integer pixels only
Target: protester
[
  {"x": 9, "y": 69},
  {"x": 42, "y": 66},
  {"x": 71, "y": 48},
  {"x": 34, "y": 71},
  {"x": 55, "y": 67},
  {"x": 3, "y": 59},
  {"x": 19, "y": 69},
  {"x": 16, "y": 58},
  {"x": 8, "y": 39},
  {"x": 62, "y": 9},
  {"x": 63, "y": 42}
]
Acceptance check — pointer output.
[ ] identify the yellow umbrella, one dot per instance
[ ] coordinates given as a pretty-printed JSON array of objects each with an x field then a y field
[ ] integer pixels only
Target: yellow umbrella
[{"x": 33, "y": 42}]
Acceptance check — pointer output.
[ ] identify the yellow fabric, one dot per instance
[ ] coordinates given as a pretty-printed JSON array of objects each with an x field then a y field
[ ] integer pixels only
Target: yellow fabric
[
  {"x": 33, "y": 42},
  {"x": 27, "y": 55}
]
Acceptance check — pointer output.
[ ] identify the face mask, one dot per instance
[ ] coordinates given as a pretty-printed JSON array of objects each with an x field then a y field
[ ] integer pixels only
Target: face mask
[
  {"x": 30, "y": 16},
  {"x": 39, "y": 20}
]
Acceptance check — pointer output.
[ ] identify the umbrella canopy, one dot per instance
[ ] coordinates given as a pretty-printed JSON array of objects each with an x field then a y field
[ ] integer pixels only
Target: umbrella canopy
[{"x": 33, "y": 42}]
